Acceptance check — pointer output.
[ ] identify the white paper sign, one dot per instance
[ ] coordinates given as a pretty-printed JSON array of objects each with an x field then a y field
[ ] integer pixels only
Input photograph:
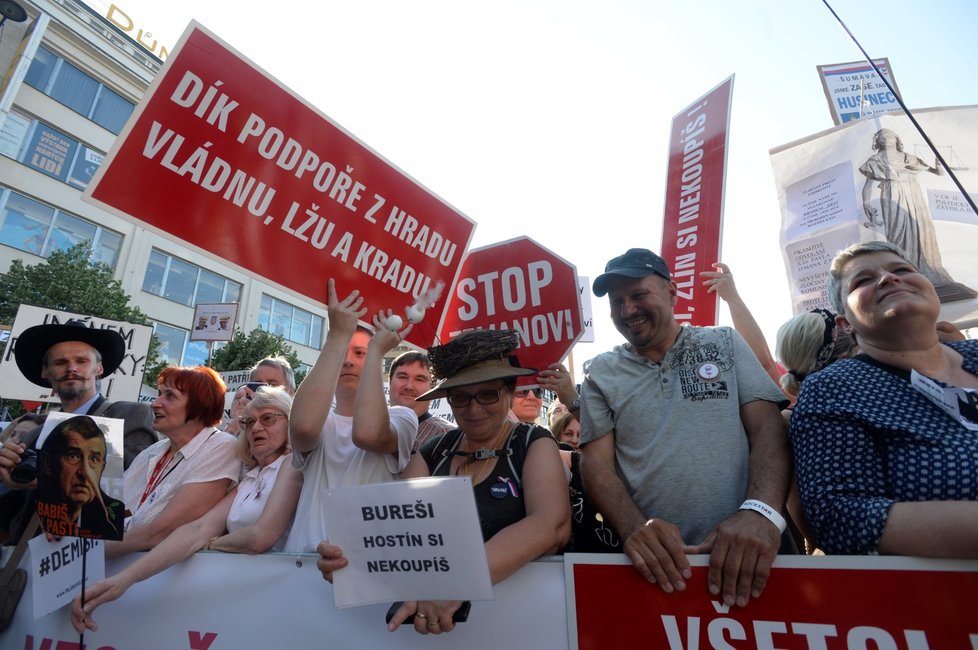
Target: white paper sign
[
  {"x": 408, "y": 540},
  {"x": 951, "y": 206},
  {"x": 587, "y": 314},
  {"x": 56, "y": 569},
  {"x": 821, "y": 201}
]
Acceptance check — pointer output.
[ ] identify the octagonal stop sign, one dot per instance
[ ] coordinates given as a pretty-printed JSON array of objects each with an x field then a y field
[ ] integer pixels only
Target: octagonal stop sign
[{"x": 519, "y": 285}]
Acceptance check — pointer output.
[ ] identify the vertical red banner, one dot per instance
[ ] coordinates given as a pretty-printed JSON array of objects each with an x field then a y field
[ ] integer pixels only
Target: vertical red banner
[{"x": 694, "y": 200}]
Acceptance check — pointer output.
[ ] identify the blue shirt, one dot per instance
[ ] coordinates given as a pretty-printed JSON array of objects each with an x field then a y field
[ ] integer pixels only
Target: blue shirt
[{"x": 865, "y": 439}]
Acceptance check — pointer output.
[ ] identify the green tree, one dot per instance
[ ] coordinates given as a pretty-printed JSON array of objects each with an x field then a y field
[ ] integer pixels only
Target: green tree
[
  {"x": 69, "y": 281},
  {"x": 245, "y": 350}
]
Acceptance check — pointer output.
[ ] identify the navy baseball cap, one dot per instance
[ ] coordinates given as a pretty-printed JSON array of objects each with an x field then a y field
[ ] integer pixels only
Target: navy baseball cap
[{"x": 635, "y": 263}]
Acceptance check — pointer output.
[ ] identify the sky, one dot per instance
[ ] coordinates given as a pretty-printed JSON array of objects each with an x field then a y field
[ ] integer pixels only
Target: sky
[{"x": 551, "y": 119}]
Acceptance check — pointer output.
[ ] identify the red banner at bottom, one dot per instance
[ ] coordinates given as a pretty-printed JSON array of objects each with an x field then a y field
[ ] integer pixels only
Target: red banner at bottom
[{"x": 812, "y": 603}]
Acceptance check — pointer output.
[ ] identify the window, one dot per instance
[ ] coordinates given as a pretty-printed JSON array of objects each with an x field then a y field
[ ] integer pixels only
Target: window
[
  {"x": 66, "y": 232},
  {"x": 182, "y": 282},
  {"x": 48, "y": 151},
  {"x": 177, "y": 348},
  {"x": 73, "y": 88},
  {"x": 36, "y": 228},
  {"x": 294, "y": 324},
  {"x": 79, "y": 91},
  {"x": 111, "y": 110}
]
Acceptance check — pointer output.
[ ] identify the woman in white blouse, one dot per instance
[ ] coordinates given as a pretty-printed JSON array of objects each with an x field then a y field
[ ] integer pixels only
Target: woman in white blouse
[{"x": 254, "y": 517}]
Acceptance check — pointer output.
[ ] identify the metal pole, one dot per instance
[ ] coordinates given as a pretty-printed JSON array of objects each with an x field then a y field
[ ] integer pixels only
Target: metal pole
[{"x": 950, "y": 172}]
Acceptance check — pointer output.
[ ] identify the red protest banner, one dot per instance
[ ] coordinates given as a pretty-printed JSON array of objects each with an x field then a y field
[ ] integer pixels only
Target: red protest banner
[
  {"x": 830, "y": 603},
  {"x": 518, "y": 284},
  {"x": 694, "y": 200},
  {"x": 222, "y": 156}
]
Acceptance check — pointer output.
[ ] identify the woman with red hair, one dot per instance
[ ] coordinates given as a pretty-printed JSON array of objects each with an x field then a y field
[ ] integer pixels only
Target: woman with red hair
[{"x": 181, "y": 477}]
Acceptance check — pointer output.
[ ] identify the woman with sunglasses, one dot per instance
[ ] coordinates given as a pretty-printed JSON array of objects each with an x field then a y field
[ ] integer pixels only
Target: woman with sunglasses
[
  {"x": 252, "y": 518},
  {"x": 516, "y": 471},
  {"x": 520, "y": 486}
]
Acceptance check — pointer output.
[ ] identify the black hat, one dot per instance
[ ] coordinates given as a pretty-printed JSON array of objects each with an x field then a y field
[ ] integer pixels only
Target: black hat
[
  {"x": 30, "y": 346},
  {"x": 635, "y": 263}
]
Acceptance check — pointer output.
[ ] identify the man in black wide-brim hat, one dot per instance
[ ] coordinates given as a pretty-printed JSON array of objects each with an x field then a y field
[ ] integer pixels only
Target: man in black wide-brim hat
[{"x": 70, "y": 358}]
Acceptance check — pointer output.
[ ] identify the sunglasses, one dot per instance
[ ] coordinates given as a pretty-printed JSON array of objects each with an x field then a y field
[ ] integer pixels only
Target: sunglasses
[
  {"x": 524, "y": 392},
  {"x": 484, "y": 397}
]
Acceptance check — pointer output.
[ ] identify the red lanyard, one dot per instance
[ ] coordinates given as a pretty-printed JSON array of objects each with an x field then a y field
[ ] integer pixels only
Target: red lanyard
[{"x": 155, "y": 479}]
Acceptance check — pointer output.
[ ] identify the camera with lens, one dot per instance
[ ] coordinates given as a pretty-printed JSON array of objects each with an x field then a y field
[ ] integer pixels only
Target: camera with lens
[{"x": 26, "y": 470}]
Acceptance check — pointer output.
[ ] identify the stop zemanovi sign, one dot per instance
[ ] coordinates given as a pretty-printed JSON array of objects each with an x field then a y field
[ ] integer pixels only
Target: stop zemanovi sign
[{"x": 520, "y": 285}]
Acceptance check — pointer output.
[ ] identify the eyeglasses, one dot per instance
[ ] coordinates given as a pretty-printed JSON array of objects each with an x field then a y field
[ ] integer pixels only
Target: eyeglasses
[
  {"x": 266, "y": 419},
  {"x": 484, "y": 397},
  {"x": 524, "y": 392}
]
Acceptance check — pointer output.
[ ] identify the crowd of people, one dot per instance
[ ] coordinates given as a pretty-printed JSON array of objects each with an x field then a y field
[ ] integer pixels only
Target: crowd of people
[{"x": 683, "y": 440}]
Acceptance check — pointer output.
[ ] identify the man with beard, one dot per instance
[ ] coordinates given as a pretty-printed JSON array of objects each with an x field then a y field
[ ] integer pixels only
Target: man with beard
[
  {"x": 409, "y": 377},
  {"x": 68, "y": 358},
  {"x": 685, "y": 449},
  {"x": 70, "y": 498}
]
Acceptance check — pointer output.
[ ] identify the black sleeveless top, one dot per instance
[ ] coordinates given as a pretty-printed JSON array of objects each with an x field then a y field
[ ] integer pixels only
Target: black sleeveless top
[{"x": 499, "y": 497}]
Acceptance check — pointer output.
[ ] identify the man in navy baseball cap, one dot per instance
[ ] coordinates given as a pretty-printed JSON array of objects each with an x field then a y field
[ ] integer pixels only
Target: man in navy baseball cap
[
  {"x": 678, "y": 426},
  {"x": 635, "y": 263}
]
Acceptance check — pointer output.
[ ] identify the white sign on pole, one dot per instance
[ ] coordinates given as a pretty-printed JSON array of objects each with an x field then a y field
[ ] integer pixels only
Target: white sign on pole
[
  {"x": 408, "y": 540},
  {"x": 854, "y": 90},
  {"x": 123, "y": 384},
  {"x": 214, "y": 322}
]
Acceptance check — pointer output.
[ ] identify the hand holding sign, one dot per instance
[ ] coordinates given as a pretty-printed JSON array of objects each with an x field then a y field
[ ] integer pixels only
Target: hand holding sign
[{"x": 331, "y": 559}]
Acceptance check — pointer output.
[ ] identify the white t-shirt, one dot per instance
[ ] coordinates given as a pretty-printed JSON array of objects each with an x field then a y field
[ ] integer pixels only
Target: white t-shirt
[
  {"x": 337, "y": 462},
  {"x": 209, "y": 456},
  {"x": 252, "y": 497}
]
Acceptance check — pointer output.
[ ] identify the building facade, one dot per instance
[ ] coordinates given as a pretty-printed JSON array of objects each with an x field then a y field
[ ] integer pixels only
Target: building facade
[{"x": 71, "y": 80}]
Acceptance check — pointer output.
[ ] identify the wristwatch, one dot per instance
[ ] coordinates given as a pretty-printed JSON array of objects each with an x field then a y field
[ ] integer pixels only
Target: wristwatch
[{"x": 575, "y": 406}]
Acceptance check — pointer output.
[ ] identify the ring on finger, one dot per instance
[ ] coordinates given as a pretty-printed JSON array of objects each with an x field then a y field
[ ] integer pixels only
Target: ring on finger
[{"x": 420, "y": 615}]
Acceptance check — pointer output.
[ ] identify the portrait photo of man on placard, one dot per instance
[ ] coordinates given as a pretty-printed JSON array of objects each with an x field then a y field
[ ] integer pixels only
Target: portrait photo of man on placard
[{"x": 71, "y": 499}]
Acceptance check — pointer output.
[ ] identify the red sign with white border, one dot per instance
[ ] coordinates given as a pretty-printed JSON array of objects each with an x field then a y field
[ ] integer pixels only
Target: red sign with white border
[
  {"x": 693, "y": 218},
  {"x": 223, "y": 157},
  {"x": 518, "y": 284},
  {"x": 829, "y": 603}
]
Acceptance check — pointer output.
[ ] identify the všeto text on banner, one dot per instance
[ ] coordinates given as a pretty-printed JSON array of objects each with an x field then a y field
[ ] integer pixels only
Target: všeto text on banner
[
  {"x": 520, "y": 285},
  {"x": 222, "y": 156},
  {"x": 837, "y": 602},
  {"x": 695, "y": 185}
]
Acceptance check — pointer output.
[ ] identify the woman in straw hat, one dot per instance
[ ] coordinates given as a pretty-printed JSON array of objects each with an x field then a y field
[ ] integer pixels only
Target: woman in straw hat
[{"x": 517, "y": 475}]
